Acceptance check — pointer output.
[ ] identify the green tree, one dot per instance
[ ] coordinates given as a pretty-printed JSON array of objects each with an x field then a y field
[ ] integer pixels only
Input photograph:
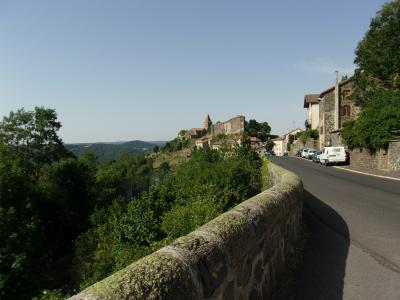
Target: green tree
[
  {"x": 377, "y": 82},
  {"x": 33, "y": 136},
  {"x": 194, "y": 215},
  {"x": 260, "y": 130},
  {"x": 290, "y": 142},
  {"x": 291, "y": 138},
  {"x": 209, "y": 183},
  {"x": 270, "y": 145},
  {"x": 45, "y": 199},
  {"x": 304, "y": 136},
  {"x": 378, "y": 55},
  {"x": 377, "y": 122},
  {"x": 67, "y": 198},
  {"x": 313, "y": 133},
  {"x": 176, "y": 145},
  {"x": 21, "y": 235}
]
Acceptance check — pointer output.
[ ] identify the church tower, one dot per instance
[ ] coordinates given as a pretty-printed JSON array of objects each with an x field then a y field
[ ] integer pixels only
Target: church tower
[{"x": 207, "y": 123}]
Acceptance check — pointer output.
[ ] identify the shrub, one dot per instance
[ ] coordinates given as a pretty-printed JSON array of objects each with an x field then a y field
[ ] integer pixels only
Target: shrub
[
  {"x": 376, "y": 123},
  {"x": 182, "y": 219}
]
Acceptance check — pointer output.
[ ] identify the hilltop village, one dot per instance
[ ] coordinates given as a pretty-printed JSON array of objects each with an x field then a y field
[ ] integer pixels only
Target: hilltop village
[{"x": 228, "y": 133}]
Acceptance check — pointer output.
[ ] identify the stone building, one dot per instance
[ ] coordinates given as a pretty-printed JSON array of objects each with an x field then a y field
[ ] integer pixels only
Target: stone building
[
  {"x": 203, "y": 142},
  {"x": 279, "y": 145},
  {"x": 232, "y": 126},
  {"x": 207, "y": 123},
  {"x": 335, "y": 109},
  {"x": 191, "y": 134}
]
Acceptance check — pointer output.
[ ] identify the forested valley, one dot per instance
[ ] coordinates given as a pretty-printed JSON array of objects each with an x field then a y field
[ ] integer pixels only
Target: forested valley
[{"x": 67, "y": 222}]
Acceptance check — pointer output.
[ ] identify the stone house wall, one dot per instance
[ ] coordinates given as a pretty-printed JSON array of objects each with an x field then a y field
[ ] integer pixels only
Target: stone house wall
[
  {"x": 328, "y": 118},
  {"x": 347, "y": 109},
  {"x": 321, "y": 124},
  {"x": 232, "y": 126}
]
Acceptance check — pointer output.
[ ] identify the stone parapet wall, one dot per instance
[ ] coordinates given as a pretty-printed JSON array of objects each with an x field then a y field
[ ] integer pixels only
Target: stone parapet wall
[{"x": 241, "y": 254}]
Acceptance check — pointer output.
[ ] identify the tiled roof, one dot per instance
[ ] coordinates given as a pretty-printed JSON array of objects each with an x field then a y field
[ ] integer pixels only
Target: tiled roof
[
  {"x": 333, "y": 87},
  {"x": 281, "y": 138},
  {"x": 310, "y": 98},
  {"x": 254, "y": 139}
]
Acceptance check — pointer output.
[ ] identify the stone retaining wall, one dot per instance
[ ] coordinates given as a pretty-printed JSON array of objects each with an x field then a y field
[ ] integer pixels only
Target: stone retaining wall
[
  {"x": 382, "y": 160},
  {"x": 241, "y": 254}
]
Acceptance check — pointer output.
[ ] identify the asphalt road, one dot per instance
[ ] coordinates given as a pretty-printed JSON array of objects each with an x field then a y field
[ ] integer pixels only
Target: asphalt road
[{"x": 352, "y": 228}]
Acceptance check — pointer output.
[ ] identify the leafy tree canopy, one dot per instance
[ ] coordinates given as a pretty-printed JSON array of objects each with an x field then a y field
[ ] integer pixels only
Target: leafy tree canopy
[
  {"x": 209, "y": 183},
  {"x": 270, "y": 145},
  {"x": 378, "y": 55},
  {"x": 376, "y": 123},
  {"x": 33, "y": 136},
  {"x": 377, "y": 82},
  {"x": 260, "y": 130}
]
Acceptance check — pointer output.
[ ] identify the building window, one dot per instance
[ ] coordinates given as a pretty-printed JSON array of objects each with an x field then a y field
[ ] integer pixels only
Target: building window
[{"x": 344, "y": 110}]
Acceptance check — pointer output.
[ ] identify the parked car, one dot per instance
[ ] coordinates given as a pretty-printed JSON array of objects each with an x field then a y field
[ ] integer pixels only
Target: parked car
[
  {"x": 316, "y": 155},
  {"x": 333, "y": 155},
  {"x": 310, "y": 153},
  {"x": 270, "y": 153},
  {"x": 304, "y": 153},
  {"x": 298, "y": 153}
]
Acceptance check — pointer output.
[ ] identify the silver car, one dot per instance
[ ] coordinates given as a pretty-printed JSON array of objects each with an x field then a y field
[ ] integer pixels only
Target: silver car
[
  {"x": 304, "y": 153},
  {"x": 310, "y": 153}
]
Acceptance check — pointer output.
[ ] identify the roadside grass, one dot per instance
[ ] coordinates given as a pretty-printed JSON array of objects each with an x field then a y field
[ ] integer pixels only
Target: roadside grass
[{"x": 265, "y": 178}]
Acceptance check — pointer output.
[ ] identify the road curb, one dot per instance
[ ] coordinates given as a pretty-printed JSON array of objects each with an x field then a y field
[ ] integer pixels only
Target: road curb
[{"x": 368, "y": 174}]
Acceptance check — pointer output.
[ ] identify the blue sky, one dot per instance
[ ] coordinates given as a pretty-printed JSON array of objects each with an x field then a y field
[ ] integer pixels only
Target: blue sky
[{"x": 123, "y": 70}]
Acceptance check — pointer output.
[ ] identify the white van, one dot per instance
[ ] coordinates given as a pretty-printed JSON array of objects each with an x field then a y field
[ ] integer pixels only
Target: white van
[{"x": 332, "y": 155}]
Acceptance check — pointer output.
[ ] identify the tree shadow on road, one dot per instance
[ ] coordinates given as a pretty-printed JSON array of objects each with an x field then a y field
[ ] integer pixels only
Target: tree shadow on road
[{"x": 320, "y": 275}]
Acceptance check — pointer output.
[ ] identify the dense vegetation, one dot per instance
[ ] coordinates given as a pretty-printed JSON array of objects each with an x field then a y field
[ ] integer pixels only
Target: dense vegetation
[
  {"x": 308, "y": 134},
  {"x": 67, "y": 222},
  {"x": 377, "y": 123},
  {"x": 45, "y": 199},
  {"x": 176, "y": 145},
  {"x": 377, "y": 82},
  {"x": 257, "y": 129},
  {"x": 106, "y": 152},
  {"x": 135, "y": 225}
]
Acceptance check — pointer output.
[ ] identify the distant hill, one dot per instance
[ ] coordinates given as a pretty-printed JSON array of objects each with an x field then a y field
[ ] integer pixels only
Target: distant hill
[{"x": 110, "y": 151}]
